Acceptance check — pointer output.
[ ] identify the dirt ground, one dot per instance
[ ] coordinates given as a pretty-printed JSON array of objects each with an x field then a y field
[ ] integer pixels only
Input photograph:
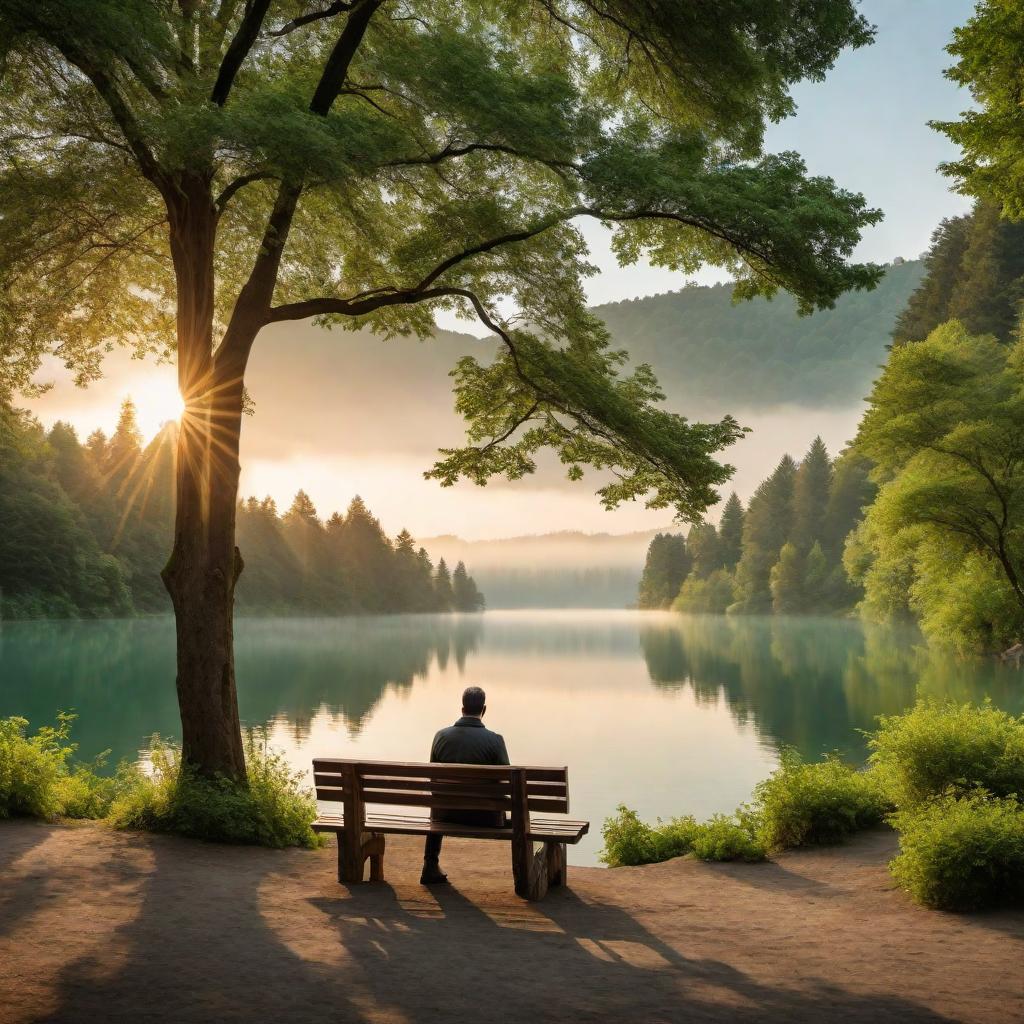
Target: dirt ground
[{"x": 100, "y": 926}]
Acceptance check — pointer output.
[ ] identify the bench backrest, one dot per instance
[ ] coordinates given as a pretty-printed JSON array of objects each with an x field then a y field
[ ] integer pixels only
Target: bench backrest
[{"x": 462, "y": 787}]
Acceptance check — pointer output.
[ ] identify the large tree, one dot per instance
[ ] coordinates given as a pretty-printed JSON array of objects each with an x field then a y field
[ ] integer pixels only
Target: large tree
[{"x": 177, "y": 174}]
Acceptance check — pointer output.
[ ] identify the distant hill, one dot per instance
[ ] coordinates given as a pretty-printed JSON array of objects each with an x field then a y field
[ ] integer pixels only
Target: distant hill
[
  {"x": 707, "y": 350},
  {"x": 568, "y": 569},
  {"x": 357, "y": 392}
]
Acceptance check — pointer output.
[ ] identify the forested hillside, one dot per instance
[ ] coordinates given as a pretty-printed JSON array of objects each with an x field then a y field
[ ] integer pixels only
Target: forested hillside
[
  {"x": 783, "y": 553},
  {"x": 711, "y": 357},
  {"x": 87, "y": 528},
  {"x": 706, "y": 349},
  {"x": 922, "y": 518}
]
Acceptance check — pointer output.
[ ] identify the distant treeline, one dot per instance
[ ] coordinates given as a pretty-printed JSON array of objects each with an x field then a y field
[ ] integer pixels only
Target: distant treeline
[
  {"x": 922, "y": 518},
  {"x": 86, "y": 528},
  {"x": 783, "y": 553}
]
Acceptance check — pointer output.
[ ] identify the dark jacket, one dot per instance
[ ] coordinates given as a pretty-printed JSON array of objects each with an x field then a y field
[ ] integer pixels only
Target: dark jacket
[{"x": 469, "y": 741}]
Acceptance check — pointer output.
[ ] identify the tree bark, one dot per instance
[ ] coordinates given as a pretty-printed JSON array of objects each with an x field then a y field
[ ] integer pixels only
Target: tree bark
[{"x": 204, "y": 565}]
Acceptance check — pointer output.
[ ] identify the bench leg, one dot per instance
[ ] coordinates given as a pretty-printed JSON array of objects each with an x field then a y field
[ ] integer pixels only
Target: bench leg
[
  {"x": 375, "y": 849},
  {"x": 557, "y": 864},
  {"x": 352, "y": 858}
]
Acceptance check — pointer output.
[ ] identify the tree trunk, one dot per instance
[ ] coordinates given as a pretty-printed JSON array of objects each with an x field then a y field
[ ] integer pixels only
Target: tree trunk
[{"x": 204, "y": 564}]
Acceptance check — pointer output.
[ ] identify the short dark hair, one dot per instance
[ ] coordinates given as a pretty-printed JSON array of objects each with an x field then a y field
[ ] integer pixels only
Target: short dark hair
[{"x": 473, "y": 700}]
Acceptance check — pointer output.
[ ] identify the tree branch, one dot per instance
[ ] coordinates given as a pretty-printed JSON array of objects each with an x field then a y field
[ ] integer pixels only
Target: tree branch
[
  {"x": 238, "y": 49},
  {"x": 338, "y": 7},
  {"x": 336, "y": 69},
  {"x": 239, "y": 183}
]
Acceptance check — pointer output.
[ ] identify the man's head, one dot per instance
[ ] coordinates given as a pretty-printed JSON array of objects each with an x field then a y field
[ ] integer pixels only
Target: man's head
[{"x": 474, "y": 701}]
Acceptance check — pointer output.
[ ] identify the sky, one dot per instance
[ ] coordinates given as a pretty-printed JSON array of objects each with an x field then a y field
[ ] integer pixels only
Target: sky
[{"x": 865, "y": 126}]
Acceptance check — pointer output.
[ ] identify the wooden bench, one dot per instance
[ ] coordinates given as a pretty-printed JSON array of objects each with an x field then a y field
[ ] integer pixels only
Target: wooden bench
[{"x": 538, "y": 844}]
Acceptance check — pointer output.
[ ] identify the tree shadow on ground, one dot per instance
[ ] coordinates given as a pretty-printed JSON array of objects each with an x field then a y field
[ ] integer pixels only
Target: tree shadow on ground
[
  {"x": 242, "y": 939},
  {"x": 22, "y": 891}
]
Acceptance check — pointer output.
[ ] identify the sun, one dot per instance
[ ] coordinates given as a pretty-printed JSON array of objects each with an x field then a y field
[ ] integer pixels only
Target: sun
[{"x": 157, "y": 401}]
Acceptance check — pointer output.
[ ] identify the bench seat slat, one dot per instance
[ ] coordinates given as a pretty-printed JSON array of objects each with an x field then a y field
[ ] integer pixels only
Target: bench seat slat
[
  {"x": 423, "y": 770},
  {"x": 559, "y": 830}
]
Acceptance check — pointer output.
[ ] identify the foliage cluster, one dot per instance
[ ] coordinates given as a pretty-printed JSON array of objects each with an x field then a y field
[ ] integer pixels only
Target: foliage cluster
[
  {"x": 814, "y": 804},
  {"x": 88, "y": 529},
  {"x": 799, "y": 804},
  {"x": 943, "y": 539},
  {"x": 273, "y": 810},
  {"x": 783, "y": 554},
  {"x": 955, "y": 774},
  {"x": 630, "y": 841},
  {"x": 40, "y": 778},
  {"x": 948, "y": 777}
]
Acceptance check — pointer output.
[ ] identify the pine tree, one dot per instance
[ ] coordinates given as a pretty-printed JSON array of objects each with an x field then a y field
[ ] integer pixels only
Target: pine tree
[
  {"x": 927, "y": 307},
  {"x": 851, "y": 492},
  {"x": 98, "y": 449},
  {"x": 667, "y": 565},
  {"x": 730, "y": 531},
  {"x": 467, "y": 597},
  {"x": 124, "y": 450},
  {"x": 787, "y": 581},
  {"x": 366, "y": 558},
  {"x": 819, "y": 582},
  {"x": 810, "y": 496},
  {"x": 768, "y": 524},
  {"x": 705, "y": 550},
  {"x": 443, "y": 587},
  {"x": 974, "y": 273}
]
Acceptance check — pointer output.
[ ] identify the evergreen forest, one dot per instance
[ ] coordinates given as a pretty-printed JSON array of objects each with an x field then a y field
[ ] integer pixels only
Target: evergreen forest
[
  {"x": 921, "y": 518},
  {"x": 87, "y": 529}
]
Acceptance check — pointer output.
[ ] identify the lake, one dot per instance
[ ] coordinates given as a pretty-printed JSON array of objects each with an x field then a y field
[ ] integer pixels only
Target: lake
[{"x": 668, "y": 714}]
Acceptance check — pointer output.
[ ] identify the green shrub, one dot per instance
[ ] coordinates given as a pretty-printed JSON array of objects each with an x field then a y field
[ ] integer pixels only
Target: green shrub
[
  {"x": 37, "y": 778},
  {"x": 725, "y": 837},
  {"x": 272, "y": 810},
  {"x": 938, "y": 747},
  {"x": 802, "y": 804},
  {"x": 962, "y": 852},
  {"x": 629, "y": 841}
]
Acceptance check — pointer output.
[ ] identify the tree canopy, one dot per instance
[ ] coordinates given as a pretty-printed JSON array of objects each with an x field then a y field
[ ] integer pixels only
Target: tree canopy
[{"x": 405, "y": 158}]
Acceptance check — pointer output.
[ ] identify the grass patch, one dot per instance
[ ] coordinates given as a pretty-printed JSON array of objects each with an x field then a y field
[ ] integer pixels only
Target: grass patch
[
  {"x": 273, "y": 810},
  {"x": 630, "y": 841},
  {"x": 962, "y": 852},
  {"x": 40, "y": 778}
]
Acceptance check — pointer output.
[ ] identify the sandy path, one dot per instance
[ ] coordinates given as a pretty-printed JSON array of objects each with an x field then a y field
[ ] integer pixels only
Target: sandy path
[{"x": 100, "y": 926}]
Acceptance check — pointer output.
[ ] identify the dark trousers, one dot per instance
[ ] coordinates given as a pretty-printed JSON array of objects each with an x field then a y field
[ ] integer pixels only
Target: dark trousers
[{"x": 489, "y": 819}]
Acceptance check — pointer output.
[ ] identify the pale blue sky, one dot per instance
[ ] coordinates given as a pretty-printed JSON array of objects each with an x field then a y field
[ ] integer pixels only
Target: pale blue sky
[{"x": 866, "y": 127}]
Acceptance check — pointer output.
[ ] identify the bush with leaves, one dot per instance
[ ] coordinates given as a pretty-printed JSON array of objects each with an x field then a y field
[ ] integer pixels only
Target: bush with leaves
[
  {"x": 630, "y": 841},
  {"x": 803, "y": 804},
  {"x": 37, "y": 777},
  {"x": 962, "y": 852},
  {"x": 274, "y": 809},
  {"x": 937, "y": 747}
]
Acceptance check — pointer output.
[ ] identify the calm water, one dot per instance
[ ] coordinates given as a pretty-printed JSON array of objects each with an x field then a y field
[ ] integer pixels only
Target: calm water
[{"x": 665, "y": 713}]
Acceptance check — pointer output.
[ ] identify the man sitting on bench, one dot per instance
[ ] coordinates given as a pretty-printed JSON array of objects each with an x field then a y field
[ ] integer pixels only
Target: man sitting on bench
[{"x": 468, "y": 741}]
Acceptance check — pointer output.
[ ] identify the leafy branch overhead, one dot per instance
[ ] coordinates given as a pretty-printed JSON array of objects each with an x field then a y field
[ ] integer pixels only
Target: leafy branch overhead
[{"x": 372, "y": 162}]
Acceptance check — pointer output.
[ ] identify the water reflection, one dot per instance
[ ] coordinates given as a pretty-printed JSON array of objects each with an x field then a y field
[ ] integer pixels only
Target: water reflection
[
  {"x": 810, "y": 683},
  {"x": 119, "y": 675},
  {"x": 666, "y": 713}
]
